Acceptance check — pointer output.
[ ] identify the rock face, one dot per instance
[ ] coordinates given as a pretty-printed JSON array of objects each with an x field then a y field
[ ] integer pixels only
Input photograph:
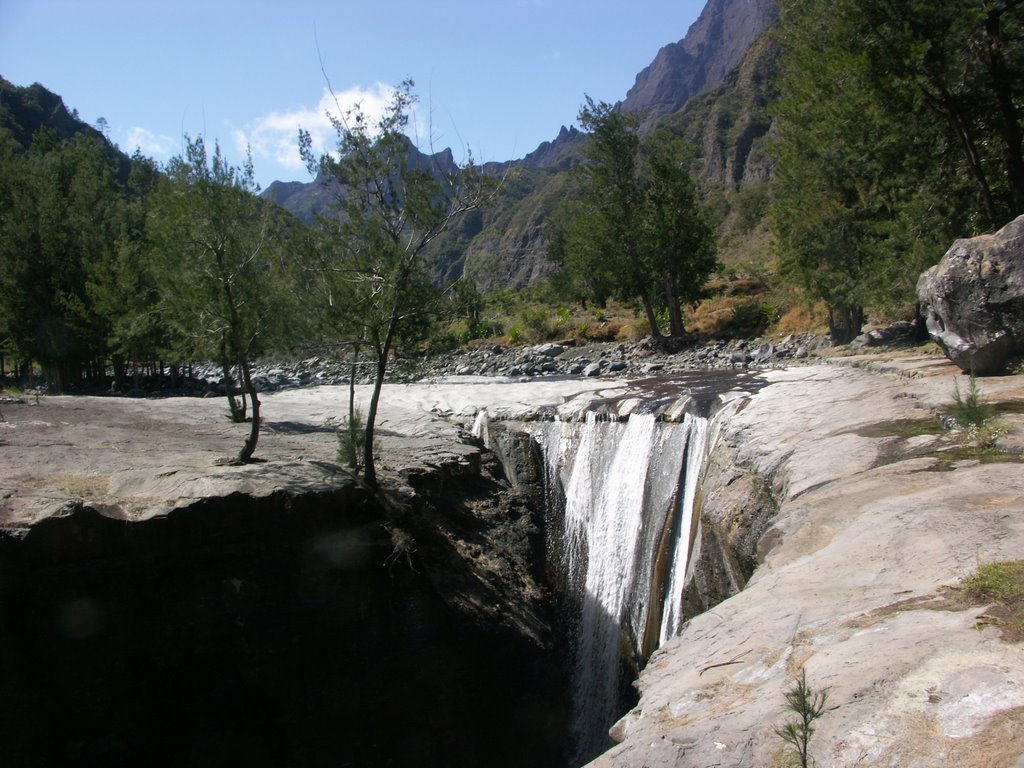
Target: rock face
[
  {"x": 277, "y": 613},
  {"x": 854, "y": 533},
  {"x": 714, "y": 44},
  {"x": 973, "y": 300}
]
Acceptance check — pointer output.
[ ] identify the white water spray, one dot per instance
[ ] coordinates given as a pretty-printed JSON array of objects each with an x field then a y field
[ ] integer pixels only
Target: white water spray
[{"x": 616, "y": 486}]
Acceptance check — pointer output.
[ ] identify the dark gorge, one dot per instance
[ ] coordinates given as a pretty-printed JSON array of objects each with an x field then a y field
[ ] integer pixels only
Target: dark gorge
[{"x": 495, "y": 614}]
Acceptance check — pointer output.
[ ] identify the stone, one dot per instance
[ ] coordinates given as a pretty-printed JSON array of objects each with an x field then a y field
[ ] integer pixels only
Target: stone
[
  {"x": 973, "y": 300},
  {"x": 549, "y": 350}
]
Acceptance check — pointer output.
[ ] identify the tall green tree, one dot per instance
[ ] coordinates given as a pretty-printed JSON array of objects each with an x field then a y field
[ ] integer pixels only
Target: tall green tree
[
  {"x": 391, "y": 203},
  {"x": 123, "y": 288},
  {"x": 964, "y": 61},
  {"x": 895, "y": 136},
  {"x": 637, "y": 228},
  {"x": 60, "y": 203},
  {"x": 218, "y": 264}
]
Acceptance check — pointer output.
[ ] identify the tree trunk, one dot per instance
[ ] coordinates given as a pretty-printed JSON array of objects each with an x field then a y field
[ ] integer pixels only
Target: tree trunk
[
  {"x": 369, "y": 469},
  {"x": 249, "y": 447},
  {"x": 675, "y": 314},
  {"x": 1009, "y": 114},
  {"x": 353, "y": 423},
  {"x": 844, "y": 323},
  {"x": 235, "y": 411},
  {"x": 652, "y": 319}
]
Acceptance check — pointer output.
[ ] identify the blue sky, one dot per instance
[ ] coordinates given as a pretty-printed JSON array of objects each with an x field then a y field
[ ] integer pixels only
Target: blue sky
[{"x": 495, "y": 76}]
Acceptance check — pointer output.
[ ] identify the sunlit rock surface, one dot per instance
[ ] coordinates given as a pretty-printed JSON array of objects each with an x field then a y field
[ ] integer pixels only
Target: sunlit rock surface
[{"x": 870, "y": 521}]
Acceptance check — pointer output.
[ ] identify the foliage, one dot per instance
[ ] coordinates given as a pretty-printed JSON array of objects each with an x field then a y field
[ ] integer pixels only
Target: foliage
[
  {"x": 637, "y": 229},
  {"x": 969, "y": 409},
  {"x": 896, "y": 126},
  {"x": 218, "y": 266},
  {"x": 808, "y": 705},
  {"x": 350, "y": 441},
  {"x": 391, "y": 203},
  {"x": 61, "y": 213},
  {"x": 974, "y": 417}
]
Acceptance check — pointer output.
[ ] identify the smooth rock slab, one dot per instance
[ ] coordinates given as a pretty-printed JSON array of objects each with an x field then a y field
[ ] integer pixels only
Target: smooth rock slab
[{"x": 867, "y": 532}]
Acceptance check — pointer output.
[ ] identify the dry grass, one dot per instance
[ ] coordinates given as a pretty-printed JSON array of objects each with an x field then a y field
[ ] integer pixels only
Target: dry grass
[
  {"x": 78, "y": 486},
  {"x": 1000, "y": 586}
]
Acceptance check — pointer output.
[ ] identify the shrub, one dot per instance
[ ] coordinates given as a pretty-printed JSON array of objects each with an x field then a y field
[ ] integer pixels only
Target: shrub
[
  {"x": 808, "y": 705},
  {"x": 351, "y": 439},
  {"x": 974, "y": 417},
  {"x": 536, "y": 323}
]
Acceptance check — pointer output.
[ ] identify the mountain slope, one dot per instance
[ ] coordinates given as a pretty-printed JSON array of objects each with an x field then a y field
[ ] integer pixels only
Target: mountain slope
[
  {"x": 713, "y": 46},
  {"x": 506, "y": 246}
]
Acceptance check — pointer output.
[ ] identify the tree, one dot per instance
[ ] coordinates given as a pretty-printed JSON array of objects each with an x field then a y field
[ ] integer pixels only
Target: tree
[
  {"x": 636, "y": 229},
  {"x": 123, "y": 288},
  {"x": 59, "y": 207},
  {"x": 391, "y": 203},
  {"x": 217, "y": 264},
  {"x": 898, "y": 130},
  {"x": 963, "y": 60}
]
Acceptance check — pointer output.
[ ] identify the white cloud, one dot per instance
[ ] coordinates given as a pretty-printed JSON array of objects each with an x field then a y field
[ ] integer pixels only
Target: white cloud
[
  {"x": 151, "y": 144},
  {"x": 276, "y": 136}
]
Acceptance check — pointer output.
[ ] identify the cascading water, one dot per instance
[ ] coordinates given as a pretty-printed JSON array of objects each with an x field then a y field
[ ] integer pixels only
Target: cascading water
[
  {"x": 621, "y": 495},
  {"x": 696, "y": 443}
]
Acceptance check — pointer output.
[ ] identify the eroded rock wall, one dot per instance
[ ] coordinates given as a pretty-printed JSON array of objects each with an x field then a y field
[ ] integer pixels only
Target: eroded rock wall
[
  {"x": 290, "y": 629},
  {"x": 873, "y": 522}
]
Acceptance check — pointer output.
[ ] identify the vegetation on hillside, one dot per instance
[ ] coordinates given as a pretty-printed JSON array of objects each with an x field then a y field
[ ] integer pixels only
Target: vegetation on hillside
[
  {"x": 636, "y": 228},
  {"x": 838, "y": 160},
  {"x": 899, "y": 129}
]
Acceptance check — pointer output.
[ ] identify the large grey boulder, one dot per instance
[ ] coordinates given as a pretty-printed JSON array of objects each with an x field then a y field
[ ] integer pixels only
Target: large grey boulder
[{"x": 973, "y": 300}]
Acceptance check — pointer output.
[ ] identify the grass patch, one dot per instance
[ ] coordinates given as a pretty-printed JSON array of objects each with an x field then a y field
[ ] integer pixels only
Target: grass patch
[
  {"x": 1000, "y": 586},
  {"x": 902, "y": 428},
  {"x": 949, "y": 458}
]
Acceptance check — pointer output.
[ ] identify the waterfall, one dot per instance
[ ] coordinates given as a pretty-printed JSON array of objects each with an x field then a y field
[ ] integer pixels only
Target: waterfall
[
  {"x": 620, "y": 495},
  {"x": 672, "y": 613},
  {"x": 480, "y": 428}
]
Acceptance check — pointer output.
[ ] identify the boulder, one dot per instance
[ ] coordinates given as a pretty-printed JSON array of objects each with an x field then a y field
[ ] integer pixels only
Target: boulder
[{"x": 973, "y": 299}]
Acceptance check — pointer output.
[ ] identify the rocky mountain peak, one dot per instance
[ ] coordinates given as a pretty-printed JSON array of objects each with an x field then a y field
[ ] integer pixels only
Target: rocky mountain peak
[{"x": 714, "y": 44}]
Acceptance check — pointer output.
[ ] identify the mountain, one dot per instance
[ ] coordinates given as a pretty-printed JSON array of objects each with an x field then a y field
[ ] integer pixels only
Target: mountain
[
  {"x": 305, "y": 200},
  {"x": 713, "y": 46},
  {"x": 712, "y": 87},
  {"x": 26, "y": 109}
]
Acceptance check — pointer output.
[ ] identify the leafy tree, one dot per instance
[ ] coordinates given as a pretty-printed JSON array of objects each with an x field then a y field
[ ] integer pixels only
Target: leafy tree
[
  {"x": 59, "y": 207},
  {"x": 637, "y": 229},
  {"x": 964, "y": 61},
  {"x": 894, "y": 137},
  {"x": 218, "y": 264},
  {"x": 123, "y": 288},
  {"x": 391, "y": 203}
]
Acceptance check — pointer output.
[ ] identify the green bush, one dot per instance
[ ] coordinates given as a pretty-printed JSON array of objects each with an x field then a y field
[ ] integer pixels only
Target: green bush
[
  {"x": 351, "y": 439},
  {"x": 536, "y": 323},
  {"x": 808, "y": 705},
  {"x": 974, "y": 417}
]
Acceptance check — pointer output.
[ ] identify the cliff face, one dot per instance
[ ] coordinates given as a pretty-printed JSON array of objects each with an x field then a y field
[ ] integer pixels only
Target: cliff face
[
  {"x": 710, "y": 86},
  {"x": 279, "y": 612},
  {"x": 855, "y": 522},
  {"x": 714, "y": 44}
]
